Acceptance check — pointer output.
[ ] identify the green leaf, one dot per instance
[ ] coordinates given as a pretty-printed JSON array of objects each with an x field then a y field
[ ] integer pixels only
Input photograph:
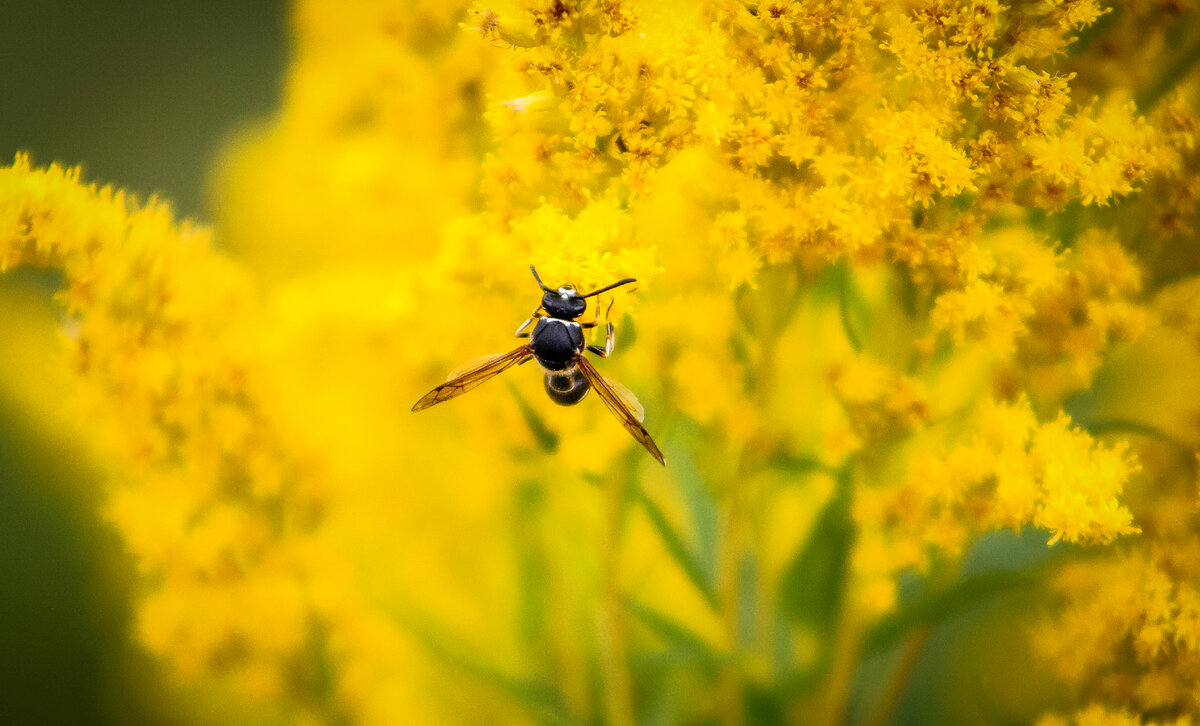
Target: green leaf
[
  {"x": 938, "y": 607},
  {"x": 765, "y": 315},
  {"x": 678, "y": 549},
  {"x": 546, "y": 439},
  {"x": 683, "y": 641},
  {"x": 810, "y": 590},
  {"x": 1119, "y": 398},
  {"x": 765, "y": 706},
  {"x": 628, "y": 330},
  {"x": 1171, "y": 78},
  {"x": 799, "y": 464},
  {"x": 999, "y": 564},
  {"x": 1088, "y": 35},
  {"x": 812, "y": 587},
  {"x": 542, "y": 700},
  {"x": 851, "y": 307},
  {"x": 703, "y": 514}
]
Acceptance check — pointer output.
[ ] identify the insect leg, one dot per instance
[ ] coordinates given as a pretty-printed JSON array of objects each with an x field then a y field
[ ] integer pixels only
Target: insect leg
[
  {"x": 596, "y": 320},
  {"x": 537, "y": 313},
  {"x": 610, "y": 336},
  {"x": 610, "y": 340}
]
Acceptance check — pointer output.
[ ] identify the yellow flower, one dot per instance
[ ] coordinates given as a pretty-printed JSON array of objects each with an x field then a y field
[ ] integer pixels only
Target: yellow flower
[{"x": 906, "y": 275}]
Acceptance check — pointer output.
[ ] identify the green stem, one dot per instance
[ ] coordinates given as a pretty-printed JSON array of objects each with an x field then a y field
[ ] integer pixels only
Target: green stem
[
  {"x": 844, "y": 307},
  {"x": 848, "y": 636},
  {"x": 731, "y": 587},
  {"x": 906, "y": 662},
  {"x": 835, "y": 704},
  {"x": 618, "y": 699}
]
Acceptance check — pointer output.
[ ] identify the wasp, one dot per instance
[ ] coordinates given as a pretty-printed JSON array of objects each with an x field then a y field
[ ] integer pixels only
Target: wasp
[{"x": 557, "y": 343}]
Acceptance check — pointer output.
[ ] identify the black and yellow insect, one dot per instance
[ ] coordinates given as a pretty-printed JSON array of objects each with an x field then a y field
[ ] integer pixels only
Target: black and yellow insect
[{"x": 557, "y": 344}]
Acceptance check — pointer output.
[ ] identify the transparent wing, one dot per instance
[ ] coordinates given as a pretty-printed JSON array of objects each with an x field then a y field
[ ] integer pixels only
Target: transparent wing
[
  {"x": 618, "y": 399},
  {"x": 630, "y": 401},
  {"x": 473, "y": 365},
  {"x": 473, "y": 374}
]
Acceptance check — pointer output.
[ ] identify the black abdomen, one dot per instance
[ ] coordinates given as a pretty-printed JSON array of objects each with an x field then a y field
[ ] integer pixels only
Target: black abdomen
[
  {"x": 566, "y": 388},
  {"x": 556, "y": 343}
]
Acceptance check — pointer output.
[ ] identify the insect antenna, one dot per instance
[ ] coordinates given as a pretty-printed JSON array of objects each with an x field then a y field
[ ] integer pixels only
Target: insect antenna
[
  {"x": 619, "y": 283},
  {"x": 539, "y": 280}
]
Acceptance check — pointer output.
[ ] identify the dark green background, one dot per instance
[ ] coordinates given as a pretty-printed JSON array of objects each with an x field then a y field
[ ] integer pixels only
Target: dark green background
[{"x": 142, "y": 95}]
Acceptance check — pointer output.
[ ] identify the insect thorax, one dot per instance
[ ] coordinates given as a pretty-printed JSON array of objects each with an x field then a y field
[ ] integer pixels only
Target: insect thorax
[{"x": 556, "y": 343}]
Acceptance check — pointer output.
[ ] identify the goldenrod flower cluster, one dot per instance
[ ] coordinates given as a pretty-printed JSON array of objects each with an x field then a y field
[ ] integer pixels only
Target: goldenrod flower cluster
[{"x": 910, "y": 272}]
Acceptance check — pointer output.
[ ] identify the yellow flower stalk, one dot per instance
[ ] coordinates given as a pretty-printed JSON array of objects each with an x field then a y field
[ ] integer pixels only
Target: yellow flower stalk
[{"x": 910, "y": 274}]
